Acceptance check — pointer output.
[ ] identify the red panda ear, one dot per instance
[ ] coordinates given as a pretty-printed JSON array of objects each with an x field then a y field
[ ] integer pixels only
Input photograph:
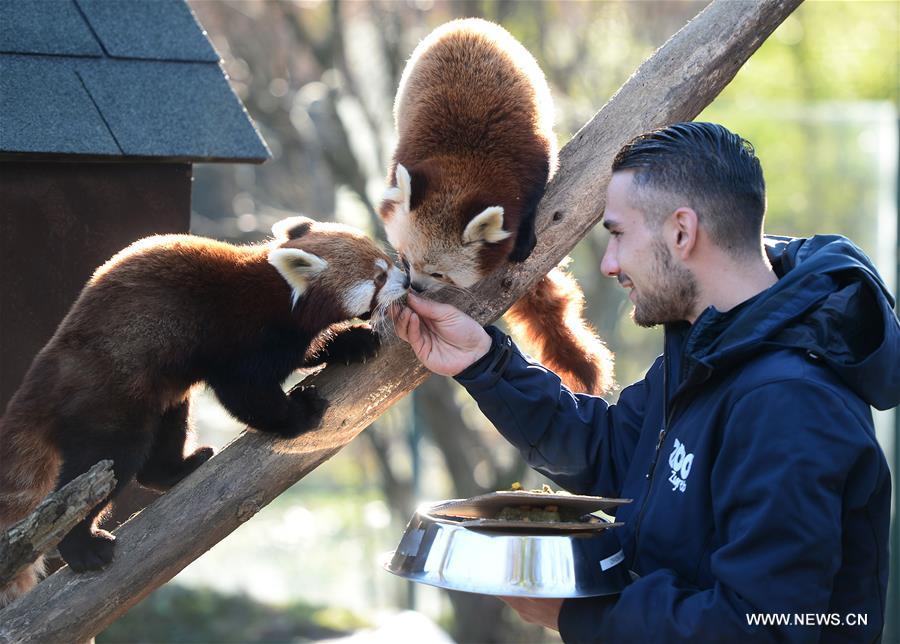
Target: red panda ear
[
  {"x": 292, "y": 227},
  {"x": 395, "y": 201},
  {"x": 486, "y": 226},
  {"x": 296, "y": 267},
  {"x": 410, "y": 185},
  {"x": 418, "y": 185},
  {"x": 394, "y": 208}
]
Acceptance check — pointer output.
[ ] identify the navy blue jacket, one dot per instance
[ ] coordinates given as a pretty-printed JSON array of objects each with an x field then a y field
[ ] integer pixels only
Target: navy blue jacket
[{"x": 749, "y": 451}]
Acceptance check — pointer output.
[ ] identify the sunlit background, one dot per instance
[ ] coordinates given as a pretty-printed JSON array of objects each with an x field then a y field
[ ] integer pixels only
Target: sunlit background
[{"x": 819, "y": 103}]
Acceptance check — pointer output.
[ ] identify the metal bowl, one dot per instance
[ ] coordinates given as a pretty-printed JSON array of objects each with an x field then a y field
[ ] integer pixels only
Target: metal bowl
[{"x": 441, "y": 552}]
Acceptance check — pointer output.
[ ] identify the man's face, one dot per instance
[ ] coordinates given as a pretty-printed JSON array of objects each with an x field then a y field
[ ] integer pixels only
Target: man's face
[{"x": 661, "y": 288}]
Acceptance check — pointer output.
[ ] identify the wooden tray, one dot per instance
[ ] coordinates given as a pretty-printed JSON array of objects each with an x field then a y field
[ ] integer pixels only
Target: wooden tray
[
  {"x": 487, "y": 506},
  {"x": 538, "y": 527}
]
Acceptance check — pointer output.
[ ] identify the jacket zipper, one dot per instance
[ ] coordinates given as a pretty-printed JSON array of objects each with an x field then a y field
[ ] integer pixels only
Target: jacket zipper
[{"x": 659, "y": 443}]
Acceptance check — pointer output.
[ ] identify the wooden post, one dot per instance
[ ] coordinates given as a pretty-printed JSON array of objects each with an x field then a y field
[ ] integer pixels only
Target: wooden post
[{"x": 676, "y": 83}]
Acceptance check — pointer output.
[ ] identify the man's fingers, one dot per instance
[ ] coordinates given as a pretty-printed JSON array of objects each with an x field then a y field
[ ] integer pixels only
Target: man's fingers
[
  {"x": 414, "y": 330},
  {"x": 401, "y": 324},
  {"x": 410, "y": 328},
  {"x": 536, "y": 611},
  {"x": 429, "y": 309}
]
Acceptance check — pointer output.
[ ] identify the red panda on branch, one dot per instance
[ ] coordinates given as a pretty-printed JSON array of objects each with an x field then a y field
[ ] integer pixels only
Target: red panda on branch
[
  {"x": 476, "y": 148},
  {"x": 162, "y": 315}
]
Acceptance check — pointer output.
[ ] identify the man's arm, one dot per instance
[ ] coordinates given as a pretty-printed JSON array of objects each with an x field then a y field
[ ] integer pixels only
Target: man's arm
[
  {"x": 579, "y": 441},
  {"x": 790, "y": 452}
]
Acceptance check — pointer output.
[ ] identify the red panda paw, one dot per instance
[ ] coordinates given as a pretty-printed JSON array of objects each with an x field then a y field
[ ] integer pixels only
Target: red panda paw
[
  {"x": 307, "y": 408},
  {"x": 163, "y": 476},
  {"x": 87, "y": 551},
  {"x": 357, "y": 343},
  {"x": 197, "y": 458}
]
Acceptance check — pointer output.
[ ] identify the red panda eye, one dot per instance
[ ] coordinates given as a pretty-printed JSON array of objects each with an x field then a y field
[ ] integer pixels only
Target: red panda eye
[
  {"x": 381, "y": 279},
  {"x": 437, "y": 276}
]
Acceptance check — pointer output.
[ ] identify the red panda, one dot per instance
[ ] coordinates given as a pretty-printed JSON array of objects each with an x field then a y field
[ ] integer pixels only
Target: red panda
[
  {"x": 162, "y": 315},
  {"x": 475, "y": 149}
]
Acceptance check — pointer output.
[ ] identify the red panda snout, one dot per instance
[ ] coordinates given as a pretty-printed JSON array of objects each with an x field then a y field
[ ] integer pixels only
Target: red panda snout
[
  {"x": 437, "y": 253},
  {"x": 336, "y": 262},
  {"x": 373, "y": 297}
]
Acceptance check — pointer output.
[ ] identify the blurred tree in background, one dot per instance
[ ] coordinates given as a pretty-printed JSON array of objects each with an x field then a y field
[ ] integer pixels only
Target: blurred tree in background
[{"x": 818, "y": 101}]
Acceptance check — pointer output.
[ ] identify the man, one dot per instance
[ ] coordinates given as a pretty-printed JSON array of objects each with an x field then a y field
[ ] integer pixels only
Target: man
[{"x": 759, "y": 487}]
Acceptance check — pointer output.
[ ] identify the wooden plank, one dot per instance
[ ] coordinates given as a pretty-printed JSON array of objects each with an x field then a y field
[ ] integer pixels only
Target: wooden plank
[{"x": 673, "y": 85}]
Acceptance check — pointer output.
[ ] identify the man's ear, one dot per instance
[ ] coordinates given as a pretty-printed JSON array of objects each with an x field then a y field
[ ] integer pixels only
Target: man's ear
[
  {"x": 684, "y": 231},
  {"x": 296, "y": 267},
  {"x": 486, "y": 226}
]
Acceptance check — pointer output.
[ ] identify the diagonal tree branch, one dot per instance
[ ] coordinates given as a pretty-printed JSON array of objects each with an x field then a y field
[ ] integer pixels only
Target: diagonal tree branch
[{"x": 675, "y": 84}]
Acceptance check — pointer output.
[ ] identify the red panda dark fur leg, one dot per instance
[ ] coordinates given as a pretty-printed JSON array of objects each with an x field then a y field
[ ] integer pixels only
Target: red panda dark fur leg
[
  {"x": 125, "y": 438},
  {"x": 549, "y": 317},
  {"x": 265, "y": 407},
  {"x": 167, "y": 464}
]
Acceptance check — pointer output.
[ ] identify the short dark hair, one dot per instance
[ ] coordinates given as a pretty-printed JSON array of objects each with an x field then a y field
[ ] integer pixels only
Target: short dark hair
[{"x": 714, "y": 170}]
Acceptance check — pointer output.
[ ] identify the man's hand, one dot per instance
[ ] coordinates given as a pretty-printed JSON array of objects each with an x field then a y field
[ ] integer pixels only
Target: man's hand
[
  {"x": 536, "y": 611},
  {"x": 444, "y": 339}
]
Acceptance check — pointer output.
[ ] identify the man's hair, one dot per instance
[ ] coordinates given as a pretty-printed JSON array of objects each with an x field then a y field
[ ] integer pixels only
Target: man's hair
[{"x": 707, "y": 168}]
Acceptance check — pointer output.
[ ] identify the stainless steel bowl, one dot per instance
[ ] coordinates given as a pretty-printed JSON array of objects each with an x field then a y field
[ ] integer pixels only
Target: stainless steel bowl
[{"x": 440, "y": 552}]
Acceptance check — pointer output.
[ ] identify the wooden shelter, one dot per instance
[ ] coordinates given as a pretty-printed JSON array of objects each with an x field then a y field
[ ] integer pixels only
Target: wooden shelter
[{"x": 104, "y": 107}]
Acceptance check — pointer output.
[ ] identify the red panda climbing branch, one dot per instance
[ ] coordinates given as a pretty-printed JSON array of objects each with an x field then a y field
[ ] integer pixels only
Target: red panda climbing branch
[
  {"x": 476, "y": 147},
  {"x": 162, "y": 315}
]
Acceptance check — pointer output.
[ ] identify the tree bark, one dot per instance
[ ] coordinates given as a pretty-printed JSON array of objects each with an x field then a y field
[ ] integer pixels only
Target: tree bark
[
  {"x": 40, "y": 531},
  {"x": 675, "y": 84}
]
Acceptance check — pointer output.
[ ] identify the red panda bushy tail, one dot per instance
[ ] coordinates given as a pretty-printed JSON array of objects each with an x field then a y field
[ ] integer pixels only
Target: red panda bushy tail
[
  {"x": 29, "y": 467},
  {"x": 549, "y": 318}
]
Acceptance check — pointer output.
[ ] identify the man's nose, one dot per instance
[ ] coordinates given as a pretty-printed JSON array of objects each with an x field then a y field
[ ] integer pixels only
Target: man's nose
[{"x": 608, "y": 265}]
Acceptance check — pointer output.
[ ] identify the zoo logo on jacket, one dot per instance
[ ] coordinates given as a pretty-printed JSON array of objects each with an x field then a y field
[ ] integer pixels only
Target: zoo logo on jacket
[{"x": 680, "y": 462}]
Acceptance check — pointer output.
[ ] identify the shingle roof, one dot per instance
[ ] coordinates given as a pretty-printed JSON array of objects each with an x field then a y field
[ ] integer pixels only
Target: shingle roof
[{"x": 133, "y": 78}]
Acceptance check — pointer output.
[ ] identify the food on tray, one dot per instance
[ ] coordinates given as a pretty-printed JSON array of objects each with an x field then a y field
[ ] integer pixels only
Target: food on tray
[
  {"x": 516, "y": 506},
  {"x": 530, "y": 513},
  {"x": 545, "y": 489},
  {"x": 537, "y": 512}
]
